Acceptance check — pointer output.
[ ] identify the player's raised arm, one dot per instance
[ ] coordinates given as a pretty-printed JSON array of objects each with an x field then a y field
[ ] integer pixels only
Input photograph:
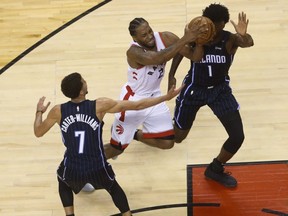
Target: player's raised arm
[
  {"x": 43, "y": 126},
  {"x": 242, "y": 38}
]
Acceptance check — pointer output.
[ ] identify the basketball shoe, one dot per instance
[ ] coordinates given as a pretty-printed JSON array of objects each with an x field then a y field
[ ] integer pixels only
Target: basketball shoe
[{"x": 215, "y": 171}]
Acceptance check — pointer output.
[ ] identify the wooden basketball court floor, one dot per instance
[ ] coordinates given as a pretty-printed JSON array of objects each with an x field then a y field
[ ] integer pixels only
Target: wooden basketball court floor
[{"x": 42, "y": 41}]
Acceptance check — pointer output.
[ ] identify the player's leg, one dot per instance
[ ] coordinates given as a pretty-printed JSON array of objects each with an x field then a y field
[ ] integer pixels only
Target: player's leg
[
  {"x": 112, "y": 151},
  {"x": 65, "y": 192},
  {"x": 119, "y": 198},
  {"x": 115, "y": 147},
  {"x": 157, "y": 128},
  {"x": 105, "y": 178},
  {"x": 161, "y": 142},
  {"x": 122, "y": 132},
  {"x": 66, "y": 196},
  {"x": 233, "y": 125},
  {"x": 180, "y": 134},
  {"x": 186, "y": 108},
  {"x": 232, "y": 122}
]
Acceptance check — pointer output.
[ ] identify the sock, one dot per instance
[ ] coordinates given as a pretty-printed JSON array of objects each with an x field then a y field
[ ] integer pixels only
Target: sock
[
  {"x": 217, "y": 166},
  {"x": 70, "y": 215}
]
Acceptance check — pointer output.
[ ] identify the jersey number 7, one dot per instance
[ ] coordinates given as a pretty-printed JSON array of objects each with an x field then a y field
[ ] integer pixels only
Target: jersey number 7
[{"x": 81, "y": 135}]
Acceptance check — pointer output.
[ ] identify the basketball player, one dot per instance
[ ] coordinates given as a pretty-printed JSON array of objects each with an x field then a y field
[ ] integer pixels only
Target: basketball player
[
  {"x": 146, "y": 58},
  {"x": 81, "y": 123},
  {"x": 207, "y": 83}
]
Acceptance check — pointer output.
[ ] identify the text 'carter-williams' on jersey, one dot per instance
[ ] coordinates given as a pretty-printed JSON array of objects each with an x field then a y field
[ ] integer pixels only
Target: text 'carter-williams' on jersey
[
  {"x": 82, "y": 135},
  {"x": 147, "y": 78},
  {"x": 214, "y": 66}
]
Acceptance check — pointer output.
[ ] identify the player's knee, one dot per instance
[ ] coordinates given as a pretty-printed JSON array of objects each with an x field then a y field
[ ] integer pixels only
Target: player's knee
[
  {"x": 180, "y": 136},
  {"x": 112, "y": 150},
  {"x": 238, "y": 138},
  {"x": 170, "y": 144},
  {"x": 166, "y": 144},
  {"x": 65, "y": 193},
  {"x": 241, "y": 139},
  {"x": 179, "y": 139},
  {"x": 234, "y": 143}
]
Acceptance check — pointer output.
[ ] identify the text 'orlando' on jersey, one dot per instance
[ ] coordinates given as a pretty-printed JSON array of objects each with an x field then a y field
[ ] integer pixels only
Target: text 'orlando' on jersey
[
  {"x": 146, "y": 79},
  {"x": 214, "y": 66}
]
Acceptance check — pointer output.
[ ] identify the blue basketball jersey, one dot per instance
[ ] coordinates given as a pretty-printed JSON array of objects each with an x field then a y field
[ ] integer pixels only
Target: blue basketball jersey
[
  {"x": 214, "y": 66},
  {"x": 82, "y": 135}
]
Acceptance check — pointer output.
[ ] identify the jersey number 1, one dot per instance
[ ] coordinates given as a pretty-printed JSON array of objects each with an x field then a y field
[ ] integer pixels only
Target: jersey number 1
[{"x": 210, "y": 70}]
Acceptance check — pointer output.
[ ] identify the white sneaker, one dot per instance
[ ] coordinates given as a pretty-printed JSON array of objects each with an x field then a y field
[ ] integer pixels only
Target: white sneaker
[{"x": 88, "y": 188}]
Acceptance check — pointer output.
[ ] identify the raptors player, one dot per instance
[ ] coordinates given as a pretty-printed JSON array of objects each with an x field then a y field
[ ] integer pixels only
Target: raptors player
[{"x": 147, "y": 57}]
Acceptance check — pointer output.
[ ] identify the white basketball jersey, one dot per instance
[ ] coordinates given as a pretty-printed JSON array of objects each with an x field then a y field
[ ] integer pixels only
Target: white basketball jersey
[{"x": 146, "y": 80}]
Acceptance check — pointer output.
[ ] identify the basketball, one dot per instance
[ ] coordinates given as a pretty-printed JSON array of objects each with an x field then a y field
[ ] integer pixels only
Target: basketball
[{"x": 207, "y": 36}]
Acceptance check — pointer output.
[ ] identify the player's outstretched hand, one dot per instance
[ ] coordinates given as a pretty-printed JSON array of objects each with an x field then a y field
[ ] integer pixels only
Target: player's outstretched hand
[
  {"x": 173, "y": 92},
  {"x": 171, "y": 82},
  {"x": 241, "y": 27},
  {"x": 40, "y": 105}
]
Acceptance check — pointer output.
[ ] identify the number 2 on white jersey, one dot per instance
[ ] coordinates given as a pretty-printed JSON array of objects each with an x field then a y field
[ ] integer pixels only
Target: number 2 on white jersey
[{"x": 81, "y": 135}]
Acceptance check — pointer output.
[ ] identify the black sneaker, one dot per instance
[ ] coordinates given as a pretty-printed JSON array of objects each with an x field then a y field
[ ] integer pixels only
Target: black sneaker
[{"x": 221, "y": 177}]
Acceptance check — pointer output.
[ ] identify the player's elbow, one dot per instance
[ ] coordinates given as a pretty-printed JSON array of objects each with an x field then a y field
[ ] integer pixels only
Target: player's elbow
[
  {"x": 38, "y": 133},
  {"x": 247, "y": 42}
]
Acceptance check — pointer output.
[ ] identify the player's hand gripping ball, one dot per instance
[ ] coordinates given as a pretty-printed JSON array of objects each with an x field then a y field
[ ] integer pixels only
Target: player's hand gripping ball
[{"x": 206, "y": 36}]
